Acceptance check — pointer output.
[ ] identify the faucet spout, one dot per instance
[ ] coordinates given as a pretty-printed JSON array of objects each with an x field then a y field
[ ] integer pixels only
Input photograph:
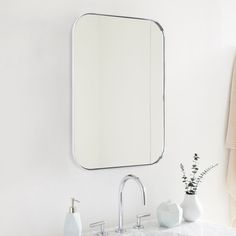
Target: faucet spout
[{"x": 121, "y": 188}]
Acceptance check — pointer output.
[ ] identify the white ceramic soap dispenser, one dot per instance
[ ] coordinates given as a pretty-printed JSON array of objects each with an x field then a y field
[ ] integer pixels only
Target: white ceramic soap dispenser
[{"x": 73, "y": 226}]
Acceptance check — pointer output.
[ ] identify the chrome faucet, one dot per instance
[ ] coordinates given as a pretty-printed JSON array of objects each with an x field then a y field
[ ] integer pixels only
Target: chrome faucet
[{"x": 122, "y": 184}]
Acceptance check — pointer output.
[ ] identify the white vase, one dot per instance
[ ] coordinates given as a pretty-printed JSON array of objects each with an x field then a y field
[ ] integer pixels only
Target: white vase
[{"x": 192, "y": 208}]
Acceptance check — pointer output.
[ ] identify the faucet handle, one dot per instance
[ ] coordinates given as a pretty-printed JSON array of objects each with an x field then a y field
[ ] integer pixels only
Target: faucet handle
[
  {"x": 138, "y": 222},
  {"x": 100, "y": 224}
]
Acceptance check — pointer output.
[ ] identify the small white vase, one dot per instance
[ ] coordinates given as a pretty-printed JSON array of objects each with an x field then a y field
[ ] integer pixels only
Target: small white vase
[{"x": 192, "y": 208}]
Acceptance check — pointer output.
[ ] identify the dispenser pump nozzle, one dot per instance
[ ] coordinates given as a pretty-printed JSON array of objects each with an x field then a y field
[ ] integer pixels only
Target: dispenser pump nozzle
[{"x": 72, "y": 209}]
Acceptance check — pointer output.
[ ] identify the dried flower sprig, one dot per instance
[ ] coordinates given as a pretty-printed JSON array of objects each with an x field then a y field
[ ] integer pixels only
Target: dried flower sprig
[{"x": 192, "y": 183}]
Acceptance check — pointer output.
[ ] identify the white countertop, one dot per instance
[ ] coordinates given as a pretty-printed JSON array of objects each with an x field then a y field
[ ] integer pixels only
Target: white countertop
[
  {"x": 192, "y": 229},
  {"x": 198, "y": 228}
]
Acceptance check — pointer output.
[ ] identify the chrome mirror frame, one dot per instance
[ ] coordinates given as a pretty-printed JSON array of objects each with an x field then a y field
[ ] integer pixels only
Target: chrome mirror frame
[{"x": 75, "y": 159}]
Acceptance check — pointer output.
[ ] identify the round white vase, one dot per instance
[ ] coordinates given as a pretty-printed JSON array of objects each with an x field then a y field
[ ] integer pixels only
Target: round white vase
[{"x": 192, "y": 208}]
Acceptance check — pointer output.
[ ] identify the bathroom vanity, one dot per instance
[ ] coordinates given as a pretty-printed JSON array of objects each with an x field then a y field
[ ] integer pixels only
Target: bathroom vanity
[{"x": 151, "y": 228}]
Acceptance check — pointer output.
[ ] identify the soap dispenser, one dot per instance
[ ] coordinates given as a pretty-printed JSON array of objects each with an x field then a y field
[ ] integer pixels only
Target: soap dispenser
[{"x": 73, "y": 226}]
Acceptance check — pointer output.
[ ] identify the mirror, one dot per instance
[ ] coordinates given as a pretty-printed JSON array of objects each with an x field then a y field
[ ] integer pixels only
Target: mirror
[{"x": 118, "y": 91}]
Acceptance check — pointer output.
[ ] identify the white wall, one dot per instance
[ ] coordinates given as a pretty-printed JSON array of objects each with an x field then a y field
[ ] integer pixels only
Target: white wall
[{"x": 37, "y": 176}]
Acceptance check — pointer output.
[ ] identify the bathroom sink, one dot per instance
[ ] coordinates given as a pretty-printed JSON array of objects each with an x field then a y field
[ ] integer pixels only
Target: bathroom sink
[
  {"x": 151, "y": 227},
  {"x": 185, "y": 229}
]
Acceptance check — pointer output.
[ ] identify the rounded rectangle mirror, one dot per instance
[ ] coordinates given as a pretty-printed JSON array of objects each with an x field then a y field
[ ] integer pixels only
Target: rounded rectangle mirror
[{"x": 118, "y": 91}]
